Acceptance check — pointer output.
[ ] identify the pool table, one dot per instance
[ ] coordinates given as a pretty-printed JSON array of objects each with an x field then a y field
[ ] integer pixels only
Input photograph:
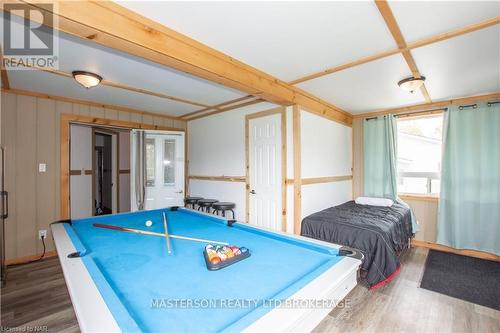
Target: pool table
[{"x": 124, "y": 281}]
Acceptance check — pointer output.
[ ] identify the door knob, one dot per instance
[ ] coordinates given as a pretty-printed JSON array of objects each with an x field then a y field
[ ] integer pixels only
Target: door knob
[
  {"x": 178, "y": 191},
  {"x": 252, "y": 192}
]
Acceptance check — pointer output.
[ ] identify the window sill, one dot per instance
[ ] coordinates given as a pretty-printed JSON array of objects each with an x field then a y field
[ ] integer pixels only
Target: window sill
[{"x": 419, "y": 197}]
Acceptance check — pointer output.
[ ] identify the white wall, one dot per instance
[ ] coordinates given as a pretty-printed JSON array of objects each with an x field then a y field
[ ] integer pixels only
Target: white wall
[
  {"x": 316, "y": 197},
  {"x": 326, "y": 147},
  {"x": 217, "y": 148},
  {"x": 222, "y": 191},
  {"x": 326, "y": 151}
]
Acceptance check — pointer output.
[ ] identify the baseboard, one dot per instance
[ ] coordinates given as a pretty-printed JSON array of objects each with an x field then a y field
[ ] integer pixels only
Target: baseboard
[
  {"x": 26, "y": 259},
  {"x": 464, "y": 252}
]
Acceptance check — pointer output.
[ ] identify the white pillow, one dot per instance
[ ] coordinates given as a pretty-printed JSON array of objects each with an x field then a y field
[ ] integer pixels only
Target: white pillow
[{"x": 383, "y": 202}]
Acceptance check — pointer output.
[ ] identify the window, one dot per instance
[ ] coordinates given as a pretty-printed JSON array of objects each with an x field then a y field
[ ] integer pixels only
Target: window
[
  {"x": 419, "y": 154},
  {"x": 169, "y": 162},
  {"x": 150, "y": 162}
]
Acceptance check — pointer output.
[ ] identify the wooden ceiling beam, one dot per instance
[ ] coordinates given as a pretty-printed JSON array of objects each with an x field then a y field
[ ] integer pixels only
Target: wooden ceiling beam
[
  {"x": 229, "y": 108},
  {"x": 414, "y": 70},
  {"x": 392, "y": 25},
  {"x": 347, "y": 65},
  {"x": 114, "y": 26},
  {"x": 429, "y": 106},
  {"x": 217, "y": 106},
  {"x": 454, "y": 33},
  {"x": 410, "y": 46}
]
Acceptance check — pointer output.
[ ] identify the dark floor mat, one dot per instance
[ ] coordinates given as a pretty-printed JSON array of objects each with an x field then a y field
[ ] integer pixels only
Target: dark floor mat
[{"x": 470, "y": 279}]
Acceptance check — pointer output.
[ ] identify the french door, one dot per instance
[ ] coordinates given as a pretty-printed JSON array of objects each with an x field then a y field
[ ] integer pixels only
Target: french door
[{"x": 160, "y": 155}]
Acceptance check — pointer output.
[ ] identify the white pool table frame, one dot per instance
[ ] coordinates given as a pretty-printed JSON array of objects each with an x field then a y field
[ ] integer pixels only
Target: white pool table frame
[{"x": 94, "y": 316}]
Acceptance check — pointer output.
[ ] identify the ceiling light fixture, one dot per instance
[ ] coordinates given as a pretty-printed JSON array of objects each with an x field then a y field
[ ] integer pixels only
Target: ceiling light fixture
[
  {"x": 411, "y": 84},
  {"x": 87, "y": 79}
]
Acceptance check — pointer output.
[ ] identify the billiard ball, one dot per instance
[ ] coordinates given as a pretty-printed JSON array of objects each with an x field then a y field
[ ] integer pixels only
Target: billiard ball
[
  {"x": 215, "y": 260},
  {"x": 229, "y": 252},
  {"x": 236, "y": 250},
  {"x": 148, "y": 223},
  {"x": 222, "y": 255},
  {"x": 213, "y": 257}
]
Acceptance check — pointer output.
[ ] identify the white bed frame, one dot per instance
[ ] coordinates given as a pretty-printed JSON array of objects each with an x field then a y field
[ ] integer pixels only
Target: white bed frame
[{"x": 94, "y": 316}]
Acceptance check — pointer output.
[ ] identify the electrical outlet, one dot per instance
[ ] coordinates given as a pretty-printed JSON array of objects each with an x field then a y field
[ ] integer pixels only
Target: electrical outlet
[{"x": 42, "y": 233}]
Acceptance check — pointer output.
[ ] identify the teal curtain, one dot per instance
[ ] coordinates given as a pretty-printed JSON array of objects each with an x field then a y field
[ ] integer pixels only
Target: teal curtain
[
  {"x": 380, "y": 150},
  {"x": 380, "y": 137},
  {"x": 469, "y": 203}
]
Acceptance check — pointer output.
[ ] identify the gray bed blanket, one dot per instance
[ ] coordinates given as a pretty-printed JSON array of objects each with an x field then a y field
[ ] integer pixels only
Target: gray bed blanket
[{"x": 381, "y": 233}]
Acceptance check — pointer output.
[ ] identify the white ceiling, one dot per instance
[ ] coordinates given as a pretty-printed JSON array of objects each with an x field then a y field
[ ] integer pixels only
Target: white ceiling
[
  {"x": 466, "y": 65},
  {"x": 291, "y": 40},
  {"x": 367, "y": 87},
  {"x": 75, "y": 53},
  {"x": 286, "y": 39},
  {"x": 421, "y": 19}
]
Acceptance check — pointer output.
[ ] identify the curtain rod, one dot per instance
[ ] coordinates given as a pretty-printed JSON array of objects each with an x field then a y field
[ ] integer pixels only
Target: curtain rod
[
  {"x": 408, "y": 114},
  {"x": 461, "y": 107},
  {"x": 474, "y": 106},
  {"x": 416, "y": 113}
]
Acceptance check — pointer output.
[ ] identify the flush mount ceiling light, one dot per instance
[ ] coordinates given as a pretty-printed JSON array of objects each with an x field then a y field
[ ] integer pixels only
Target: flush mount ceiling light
[
  {"x": 87, "y": 79},
  {"x": 411, "y": 84}
]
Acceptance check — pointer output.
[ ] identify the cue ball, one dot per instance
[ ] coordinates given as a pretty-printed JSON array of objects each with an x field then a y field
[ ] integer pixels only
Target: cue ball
[{"x": 149, "y": 223}]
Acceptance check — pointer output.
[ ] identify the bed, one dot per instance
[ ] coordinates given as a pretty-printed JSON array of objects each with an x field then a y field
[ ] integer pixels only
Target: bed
[{"x": 381, "y": 233}]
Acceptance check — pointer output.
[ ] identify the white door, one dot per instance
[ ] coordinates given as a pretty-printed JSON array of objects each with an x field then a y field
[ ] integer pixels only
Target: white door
[
  {"x": 265, "y": 171},
  {"x": 164, "y": 170}
]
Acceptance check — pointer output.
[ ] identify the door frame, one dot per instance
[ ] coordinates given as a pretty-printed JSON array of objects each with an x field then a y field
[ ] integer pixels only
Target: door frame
[
  {"x": 248, "y": 117},
  {"x": 65, "y": 122},
  {"x": 115, "y": 192}
]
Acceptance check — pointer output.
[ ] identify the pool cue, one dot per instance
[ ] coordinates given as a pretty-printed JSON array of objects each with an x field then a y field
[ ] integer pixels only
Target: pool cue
[
  {"x": 167, "y": 237},
  {"x": 152, "y": 233}
]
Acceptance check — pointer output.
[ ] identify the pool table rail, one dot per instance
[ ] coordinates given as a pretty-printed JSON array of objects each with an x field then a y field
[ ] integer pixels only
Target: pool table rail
[{"x": 91, "y": 311}]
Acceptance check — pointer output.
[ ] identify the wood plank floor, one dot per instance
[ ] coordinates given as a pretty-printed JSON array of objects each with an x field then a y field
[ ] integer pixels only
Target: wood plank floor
[
  {"x": 36, "y": 295},
  {"x": 401, "y": 306}
]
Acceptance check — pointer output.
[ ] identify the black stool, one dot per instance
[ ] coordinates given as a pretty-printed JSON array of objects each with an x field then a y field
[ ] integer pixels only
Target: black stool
[
  {"x": 223, "y": 207},
  {"x": 205, "y": 204},
  {"x": 191, "y": 201}
]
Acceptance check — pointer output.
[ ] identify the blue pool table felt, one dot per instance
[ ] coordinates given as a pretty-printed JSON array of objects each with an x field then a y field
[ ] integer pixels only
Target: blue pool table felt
[{"x": 131, "y": 270}]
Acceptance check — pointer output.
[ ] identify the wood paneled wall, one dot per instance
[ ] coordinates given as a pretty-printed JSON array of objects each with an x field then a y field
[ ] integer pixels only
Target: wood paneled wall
[
  {"x": 30, "y": 135},
  {"x": 425, "y": 211}
]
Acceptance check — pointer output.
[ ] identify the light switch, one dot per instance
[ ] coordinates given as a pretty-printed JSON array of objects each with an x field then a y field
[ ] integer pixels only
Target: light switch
[{"x": 42, "y": 167}]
